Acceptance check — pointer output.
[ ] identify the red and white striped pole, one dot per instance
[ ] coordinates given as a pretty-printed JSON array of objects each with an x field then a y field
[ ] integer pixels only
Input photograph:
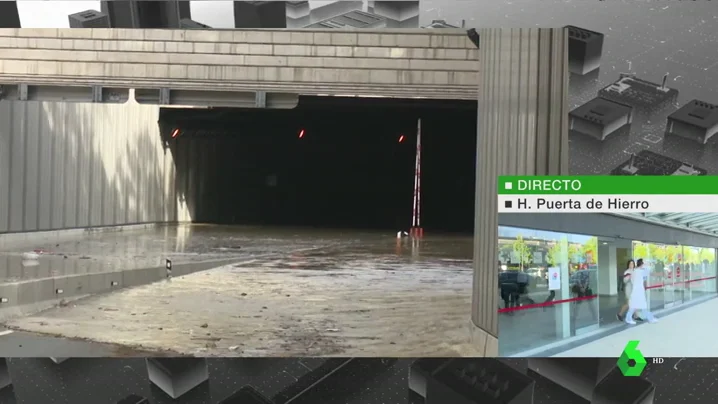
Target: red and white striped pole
[{"x": 416, "y": 230}]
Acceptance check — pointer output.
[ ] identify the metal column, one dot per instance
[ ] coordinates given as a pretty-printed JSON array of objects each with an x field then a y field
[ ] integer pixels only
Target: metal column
[{"x": 522, "y": 130}]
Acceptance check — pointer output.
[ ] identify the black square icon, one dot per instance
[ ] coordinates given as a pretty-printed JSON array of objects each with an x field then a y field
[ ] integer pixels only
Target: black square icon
[{"x": 508, "y": 204}]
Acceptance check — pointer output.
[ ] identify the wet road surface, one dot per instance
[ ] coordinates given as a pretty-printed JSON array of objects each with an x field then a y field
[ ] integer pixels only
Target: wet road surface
[{"x": 294, "y": 293}]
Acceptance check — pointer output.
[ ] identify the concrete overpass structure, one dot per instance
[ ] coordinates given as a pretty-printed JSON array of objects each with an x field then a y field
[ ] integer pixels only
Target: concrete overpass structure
[
  {"x": 224, "y": 67},
  {"x": 67, "y": 162}
]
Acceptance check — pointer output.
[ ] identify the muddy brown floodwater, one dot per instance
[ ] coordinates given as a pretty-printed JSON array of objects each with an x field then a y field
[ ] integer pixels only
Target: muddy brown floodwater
[
  {"x": 293, "y": 292},
  {"x": 264, "y": 307}
]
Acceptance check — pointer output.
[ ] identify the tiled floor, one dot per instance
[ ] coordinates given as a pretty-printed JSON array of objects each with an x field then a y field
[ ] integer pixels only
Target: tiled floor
[{"x": 679, "y": 335}]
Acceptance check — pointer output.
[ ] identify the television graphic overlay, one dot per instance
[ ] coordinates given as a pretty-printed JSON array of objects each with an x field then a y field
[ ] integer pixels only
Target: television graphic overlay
[
  {"x": 632, "y": 362},
  {"x": 567, "y": 251},
  {"x": 354, "y": 381},
  {"x": 643, "y": 83}
]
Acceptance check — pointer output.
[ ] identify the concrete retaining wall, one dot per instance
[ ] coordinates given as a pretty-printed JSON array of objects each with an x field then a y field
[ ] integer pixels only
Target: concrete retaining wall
[
  {"x": 66, "y": 165},
  {"x": 32, "y": 292},
  {"x": 17, "y": 240}
]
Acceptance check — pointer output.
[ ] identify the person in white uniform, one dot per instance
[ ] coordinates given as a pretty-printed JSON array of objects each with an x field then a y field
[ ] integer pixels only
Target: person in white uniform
[
  {"x": 627, "y": 289},
  {"x": 638, "y": 300}
]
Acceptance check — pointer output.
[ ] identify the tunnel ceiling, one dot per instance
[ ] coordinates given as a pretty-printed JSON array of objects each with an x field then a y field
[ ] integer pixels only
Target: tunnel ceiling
[
  {"x": 699, "y": 222},
  {"x": 227, "y": 121}
]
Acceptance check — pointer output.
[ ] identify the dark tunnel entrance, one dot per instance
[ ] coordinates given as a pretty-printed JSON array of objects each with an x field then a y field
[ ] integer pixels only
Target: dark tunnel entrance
[{"x": 329, "y": 162}]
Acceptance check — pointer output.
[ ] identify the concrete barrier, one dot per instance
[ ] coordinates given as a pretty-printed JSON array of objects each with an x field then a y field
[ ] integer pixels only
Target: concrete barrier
[
  {"x": 24, "y": 238},
  {"x": 35, "y": 291}
]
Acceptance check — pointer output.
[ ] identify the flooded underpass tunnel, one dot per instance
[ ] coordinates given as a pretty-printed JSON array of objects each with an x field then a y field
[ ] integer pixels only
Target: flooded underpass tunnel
[
  {"x": 286, "y": 235},
  {"x": 328, "y": 162}
]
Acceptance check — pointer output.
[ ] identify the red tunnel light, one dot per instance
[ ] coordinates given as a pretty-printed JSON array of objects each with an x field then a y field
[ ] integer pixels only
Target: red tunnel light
[
  {"x": 401, "y": 138},
  {"x": 175, "y": 133},
  {"x": 301, "y": 133}
]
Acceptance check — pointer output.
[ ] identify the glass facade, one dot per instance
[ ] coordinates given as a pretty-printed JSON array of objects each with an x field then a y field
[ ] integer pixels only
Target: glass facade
[
  {"x": 557, "y": 285},
  {"x": 678, "y": 273}
]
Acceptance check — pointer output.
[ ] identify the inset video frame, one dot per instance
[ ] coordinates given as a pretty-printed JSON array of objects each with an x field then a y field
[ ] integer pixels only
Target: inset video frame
[{"x": 561, "y": 276}]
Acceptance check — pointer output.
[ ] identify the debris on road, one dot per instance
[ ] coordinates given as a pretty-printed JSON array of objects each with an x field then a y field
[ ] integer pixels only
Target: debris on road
[{"x": 31, "y": 256}]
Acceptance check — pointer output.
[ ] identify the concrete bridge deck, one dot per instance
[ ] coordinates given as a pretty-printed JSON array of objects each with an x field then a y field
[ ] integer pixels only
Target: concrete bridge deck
[{"x": 411, "y": 63}]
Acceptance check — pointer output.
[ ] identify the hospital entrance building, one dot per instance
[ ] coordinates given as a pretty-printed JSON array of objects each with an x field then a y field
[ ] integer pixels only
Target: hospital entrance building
[{"x": 560, "y": 275}]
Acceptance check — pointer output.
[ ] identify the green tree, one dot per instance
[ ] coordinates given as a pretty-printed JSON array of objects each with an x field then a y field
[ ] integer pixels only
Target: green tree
[
  {"x": 589, "y": 249},
  {"x": 523, "y": 251},
  {"x": 574, "y": 253},
  {"x": 707, "y": 254},
  {"x": 553, "y": 257},
  {"x": 673, "y": 253},
  {"x": 690, "y": 255},
  {"x": 640, "y": 250},
  {"x": 657, "y": 253}
]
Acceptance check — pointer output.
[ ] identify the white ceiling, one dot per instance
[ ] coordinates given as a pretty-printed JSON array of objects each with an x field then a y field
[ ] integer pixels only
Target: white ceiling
[{"x": 699, "y": 222}]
